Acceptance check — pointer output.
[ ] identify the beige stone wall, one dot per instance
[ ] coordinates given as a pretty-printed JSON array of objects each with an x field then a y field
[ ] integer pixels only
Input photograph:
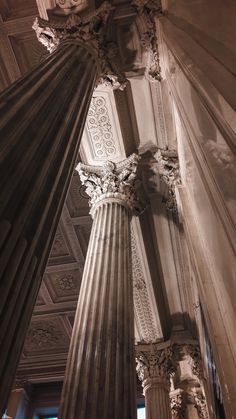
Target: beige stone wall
[{"x": 201, "y": 85}]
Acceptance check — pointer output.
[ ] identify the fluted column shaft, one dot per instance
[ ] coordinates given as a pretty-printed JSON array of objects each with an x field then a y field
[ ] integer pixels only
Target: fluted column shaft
[
  {"x": 42, "y": 120},
  {"x": 100, "y": 375},
  {"x": 157, "y": 399}
]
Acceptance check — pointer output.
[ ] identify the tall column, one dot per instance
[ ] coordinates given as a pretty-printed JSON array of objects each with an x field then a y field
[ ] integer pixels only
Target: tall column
[
  {"x": 100, "y": 374},
  {"x": 154, "y": 367},
  {"x": 42, "y": 120}
]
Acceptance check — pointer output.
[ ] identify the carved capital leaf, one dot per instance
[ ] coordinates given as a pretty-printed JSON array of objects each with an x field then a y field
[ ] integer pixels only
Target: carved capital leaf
[
  {"x": 155, "y": 363},
  {"x": 90, "y": 31},
  {"x": 111, "y": 181}
]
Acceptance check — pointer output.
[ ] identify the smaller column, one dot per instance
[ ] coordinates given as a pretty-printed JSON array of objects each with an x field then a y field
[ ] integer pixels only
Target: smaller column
[
  {"x": 154, "y": 367},
  {"x": 18, "y": 400},
  {"x": 187, "y": 399}
]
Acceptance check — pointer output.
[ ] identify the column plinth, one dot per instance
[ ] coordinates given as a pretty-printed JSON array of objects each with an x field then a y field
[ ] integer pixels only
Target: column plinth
[{"x": 100, "y": 375}]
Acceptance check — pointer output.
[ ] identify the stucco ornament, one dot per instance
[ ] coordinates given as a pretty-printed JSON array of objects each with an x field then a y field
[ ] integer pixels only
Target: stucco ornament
[
  {"x": 91, "y": 31},
  {"x": 114, "y": 181}
]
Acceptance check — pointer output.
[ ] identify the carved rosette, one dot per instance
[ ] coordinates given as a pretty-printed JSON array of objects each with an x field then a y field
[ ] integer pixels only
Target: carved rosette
[
  {"x": 155, "y": 364},
  {"x": 89, "y": 31},
  {"x": 114, "y": 182},
  {"x": 147, "y": 11},
  {"x": 167, "y": 168}
]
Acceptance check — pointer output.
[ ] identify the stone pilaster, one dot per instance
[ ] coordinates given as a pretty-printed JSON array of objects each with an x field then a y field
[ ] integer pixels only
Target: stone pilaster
[
  {"x": 42, "y": 120},
  {"x": 100, "y": 374},
  {"x": 155, "y": 365}
]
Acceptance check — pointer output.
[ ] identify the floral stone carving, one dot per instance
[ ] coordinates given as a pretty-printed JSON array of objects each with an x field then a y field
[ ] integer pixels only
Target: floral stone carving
[
  {"x": 90, "y": 31},
  {"x": 112, "y": 181}
]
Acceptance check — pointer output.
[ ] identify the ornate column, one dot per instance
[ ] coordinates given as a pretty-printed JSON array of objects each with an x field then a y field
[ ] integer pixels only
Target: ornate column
[
  {"x": 154, "y": 367},
  {"x": 42, "y": 120},
  {"x": 100, "y": 375}
]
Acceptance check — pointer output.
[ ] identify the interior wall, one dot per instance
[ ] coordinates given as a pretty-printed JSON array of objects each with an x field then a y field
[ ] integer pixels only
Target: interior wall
[{"x": 204, "y": 117}]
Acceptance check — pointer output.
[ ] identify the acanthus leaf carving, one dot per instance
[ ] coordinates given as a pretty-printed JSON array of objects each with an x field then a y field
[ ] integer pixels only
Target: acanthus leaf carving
[
  {"x": 167, "y": 167},
  {"x": 147, "y": 11},
  {"x": 155, "y": 363},
  {"x": 89, "y": 30},
  {"x": 100, "y": 129},
  {"x": 112, "y": 181}
]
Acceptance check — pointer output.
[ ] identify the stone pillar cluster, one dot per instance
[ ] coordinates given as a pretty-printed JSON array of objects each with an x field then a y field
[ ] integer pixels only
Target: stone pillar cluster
[
  {"x": 100, "y": 375},
  {"x": 42, "y": 120},
  {"x": 170, "y": 375}
]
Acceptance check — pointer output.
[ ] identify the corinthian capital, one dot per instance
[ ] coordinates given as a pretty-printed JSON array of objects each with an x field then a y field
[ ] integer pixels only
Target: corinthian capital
[
  {"x": 155, "y": 363},
  {"x": 112, "y": 181},
  {"x": 91, "y": 31}
]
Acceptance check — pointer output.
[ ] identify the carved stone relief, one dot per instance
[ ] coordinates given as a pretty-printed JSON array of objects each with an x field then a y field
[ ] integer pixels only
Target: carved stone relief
[
  {"x": 155, "y": 362},
  {"x": 102, "y": 139},
  {"x": 168, "y": 169},
  {"x": 177, "y": 405},
  {"x": 147, "y": 10},
  {"x": 112, "y": 181},
  {"x": 90, "y": 30},
  {"x": 100, "y": 129}
]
